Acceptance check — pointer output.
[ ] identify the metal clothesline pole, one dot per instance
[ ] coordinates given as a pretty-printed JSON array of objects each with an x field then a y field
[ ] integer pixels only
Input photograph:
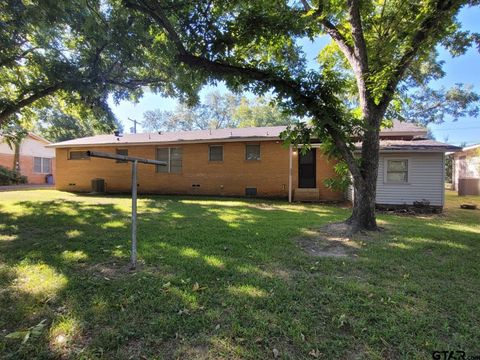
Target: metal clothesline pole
[
  {"x": 133, "y": 263},
  {"x": 134, "y": 161}
]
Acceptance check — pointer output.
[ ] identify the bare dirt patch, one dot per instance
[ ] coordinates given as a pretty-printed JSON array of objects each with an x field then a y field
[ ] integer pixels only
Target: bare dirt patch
[
  {"x": 332, "y": 240},
  {"x": 263, "y": 206},
  {"x": 111, "y": 270}
]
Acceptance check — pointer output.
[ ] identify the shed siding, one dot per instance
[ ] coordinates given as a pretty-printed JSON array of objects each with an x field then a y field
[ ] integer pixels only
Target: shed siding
[{"x": 426, "y": 180}]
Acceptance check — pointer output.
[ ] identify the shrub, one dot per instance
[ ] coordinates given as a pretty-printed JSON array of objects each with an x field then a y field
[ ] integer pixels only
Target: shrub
[{"x": 11, "y": 177}]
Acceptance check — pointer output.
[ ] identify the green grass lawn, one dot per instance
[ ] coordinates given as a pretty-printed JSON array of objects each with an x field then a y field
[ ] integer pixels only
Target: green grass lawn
[{"x": 225, "y": 278}]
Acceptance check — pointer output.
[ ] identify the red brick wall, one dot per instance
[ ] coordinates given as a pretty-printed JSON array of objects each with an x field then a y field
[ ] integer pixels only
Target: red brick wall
[
  {"x": 230, "y": 177},
  {"x": 26, "y": 168},
  {"x": 6, "y": 160}
]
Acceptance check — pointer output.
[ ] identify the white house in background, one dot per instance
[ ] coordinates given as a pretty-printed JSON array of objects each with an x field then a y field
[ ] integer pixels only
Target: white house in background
[
  {"x": 411, "y": 167},
  {"x": 36, "y": 161},
  {"x": 466, "y": 170}
]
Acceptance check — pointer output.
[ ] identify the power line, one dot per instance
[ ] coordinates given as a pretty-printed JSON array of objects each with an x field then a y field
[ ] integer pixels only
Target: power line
[
  {"x": 135, "y": 122},
  {"x": 449, "y": 129}
]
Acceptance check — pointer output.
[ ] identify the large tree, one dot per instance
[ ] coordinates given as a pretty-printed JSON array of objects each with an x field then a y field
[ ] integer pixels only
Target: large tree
[
  {"x": 379, "y": 52},
  {"x": 217, "y": 111},
  {"x": 74, "y": 52},
  {"x": 59, "y": 124}
]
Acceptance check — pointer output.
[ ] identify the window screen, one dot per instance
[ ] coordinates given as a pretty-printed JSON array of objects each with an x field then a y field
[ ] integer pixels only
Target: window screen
[
  {"x": 47, "y": 165},
  {"x": 162, "y": 155},
  {"x": 42, "y": 165},
  {"x": 173, "y": 158},
  {"x": 252, "y": 152},
  {"x": 78, "y": 155},
  {"x": 216, "y": 153},
  {"x": 397, "y": 171},
  {"x": 122, "y": 152},
  {"x": 37, "y": 164}
]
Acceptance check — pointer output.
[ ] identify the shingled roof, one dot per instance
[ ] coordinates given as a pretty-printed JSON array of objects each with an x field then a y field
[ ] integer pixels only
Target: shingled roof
[
  {"x": 420, "y": 145},
  {"x": 196, "y": 136},
  {"x": 402, "y": 127},
  {"x": 214, "y": 135}
]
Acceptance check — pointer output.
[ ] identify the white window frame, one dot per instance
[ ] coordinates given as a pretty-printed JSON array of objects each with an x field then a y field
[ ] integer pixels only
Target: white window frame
[
  {"x": 169, "y": 161},
  {"x": 42, "y": 170},
  {"x": 385, "y": 170},
  {"x": 223, "y": 153}
]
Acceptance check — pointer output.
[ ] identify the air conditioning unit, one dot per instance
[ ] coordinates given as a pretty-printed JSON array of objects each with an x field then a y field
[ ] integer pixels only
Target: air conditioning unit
[{"x": 98, "y": 185}]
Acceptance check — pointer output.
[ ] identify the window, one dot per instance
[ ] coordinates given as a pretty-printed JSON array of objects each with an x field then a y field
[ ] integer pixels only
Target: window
[
  {"x": 37, "y": 164},
  {"x": 215, "y": 153},
  {"x": 42, "y": 165},
  {"x": 252, "y": 152},
  {"x": 47, "y": 165},
  {"x": 78, "y": 155},
  {"x": 397, "y": 171},
  {"x": 122, "y": 152},
  {"x": 173, "y": 158}
]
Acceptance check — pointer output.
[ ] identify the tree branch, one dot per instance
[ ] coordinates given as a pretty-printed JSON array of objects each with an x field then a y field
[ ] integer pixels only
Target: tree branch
[
  {"x": 8, "y": 61},
  {"x": 356, "y": 54},
  {"x": 288, "y": 86},
  {"x": 10, "y": 109},
  {"x": 443, "y": 8},
  {"x": 159, "y": 16},
  {"x": 340, "y": 40},
  {"x": 359, "y": 45},
  {"x": 347, "y": 155}
]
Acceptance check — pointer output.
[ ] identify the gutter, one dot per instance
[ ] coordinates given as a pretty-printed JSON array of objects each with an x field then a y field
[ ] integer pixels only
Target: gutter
[{"x": 146, "y": 143}]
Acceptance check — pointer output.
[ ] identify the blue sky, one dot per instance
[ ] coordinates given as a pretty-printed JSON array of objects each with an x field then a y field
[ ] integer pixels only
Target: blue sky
[{"x": 464, "y": 69}]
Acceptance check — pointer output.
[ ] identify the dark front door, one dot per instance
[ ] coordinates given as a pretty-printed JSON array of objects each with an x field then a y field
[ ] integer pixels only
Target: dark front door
[{"x": 306, "y": 169}]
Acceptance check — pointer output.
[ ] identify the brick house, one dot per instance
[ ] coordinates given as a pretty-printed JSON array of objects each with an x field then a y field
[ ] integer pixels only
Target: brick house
[
  {"x": 36, "y": 160},
  {"x": 236, "y": 162}
]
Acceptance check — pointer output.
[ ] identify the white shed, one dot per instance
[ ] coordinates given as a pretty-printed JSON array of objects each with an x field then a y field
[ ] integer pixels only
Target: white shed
[{"x": 410, "y": 171}]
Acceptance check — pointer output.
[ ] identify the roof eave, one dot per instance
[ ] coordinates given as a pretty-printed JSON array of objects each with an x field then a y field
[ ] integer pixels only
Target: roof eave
[
  {"x": 157, "y": 143},
  {"x": 403, "y": 133}
]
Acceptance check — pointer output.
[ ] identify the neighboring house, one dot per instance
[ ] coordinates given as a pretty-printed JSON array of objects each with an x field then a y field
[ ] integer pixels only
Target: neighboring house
[
  {"x": 250, "y": 161},
  {"x": 466, "y": 170},
  {"x": 36, "y": 161}
]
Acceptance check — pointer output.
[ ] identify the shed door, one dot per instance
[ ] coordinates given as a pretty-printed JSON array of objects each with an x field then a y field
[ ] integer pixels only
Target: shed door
[{"x": 306, "y": 169}]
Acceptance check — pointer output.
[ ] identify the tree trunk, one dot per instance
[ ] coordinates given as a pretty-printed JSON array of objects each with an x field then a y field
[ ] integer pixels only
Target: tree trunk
[
  {"x": 365, "y": 185},
  {"x": 363, "y": 213},
  {"x": 16, "y": 158}
]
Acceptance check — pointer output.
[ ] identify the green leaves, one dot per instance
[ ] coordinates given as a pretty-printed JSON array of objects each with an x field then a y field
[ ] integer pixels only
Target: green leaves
[
  {"x": 218, "y": 111},
  {"x": 427, "y": 105},
  {"x": 32, "y": 332}
]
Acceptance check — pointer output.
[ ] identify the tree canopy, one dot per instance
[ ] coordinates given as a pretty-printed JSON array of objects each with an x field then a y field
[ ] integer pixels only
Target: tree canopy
[
  {"x": 381, "y": 59},
  {"x": 217, "y": 111},
  {"x": 380, "y": 52},
  {"x": 56, "y": 125},
  {"x": 77, "y": 52}
]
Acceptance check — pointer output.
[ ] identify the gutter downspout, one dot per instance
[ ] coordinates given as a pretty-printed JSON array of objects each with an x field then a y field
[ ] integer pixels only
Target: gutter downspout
[{"x": 290, "y": 176}]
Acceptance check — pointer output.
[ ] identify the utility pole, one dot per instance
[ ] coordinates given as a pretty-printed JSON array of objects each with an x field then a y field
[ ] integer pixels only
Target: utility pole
[{"x": 135, "y": 122}]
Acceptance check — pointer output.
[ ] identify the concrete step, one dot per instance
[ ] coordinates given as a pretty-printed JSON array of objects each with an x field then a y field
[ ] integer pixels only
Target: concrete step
[{"x": 300, "y": 194}]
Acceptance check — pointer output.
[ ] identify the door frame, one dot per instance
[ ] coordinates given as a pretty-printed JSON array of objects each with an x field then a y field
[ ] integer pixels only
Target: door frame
[{"x": 314, "y": 151}]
